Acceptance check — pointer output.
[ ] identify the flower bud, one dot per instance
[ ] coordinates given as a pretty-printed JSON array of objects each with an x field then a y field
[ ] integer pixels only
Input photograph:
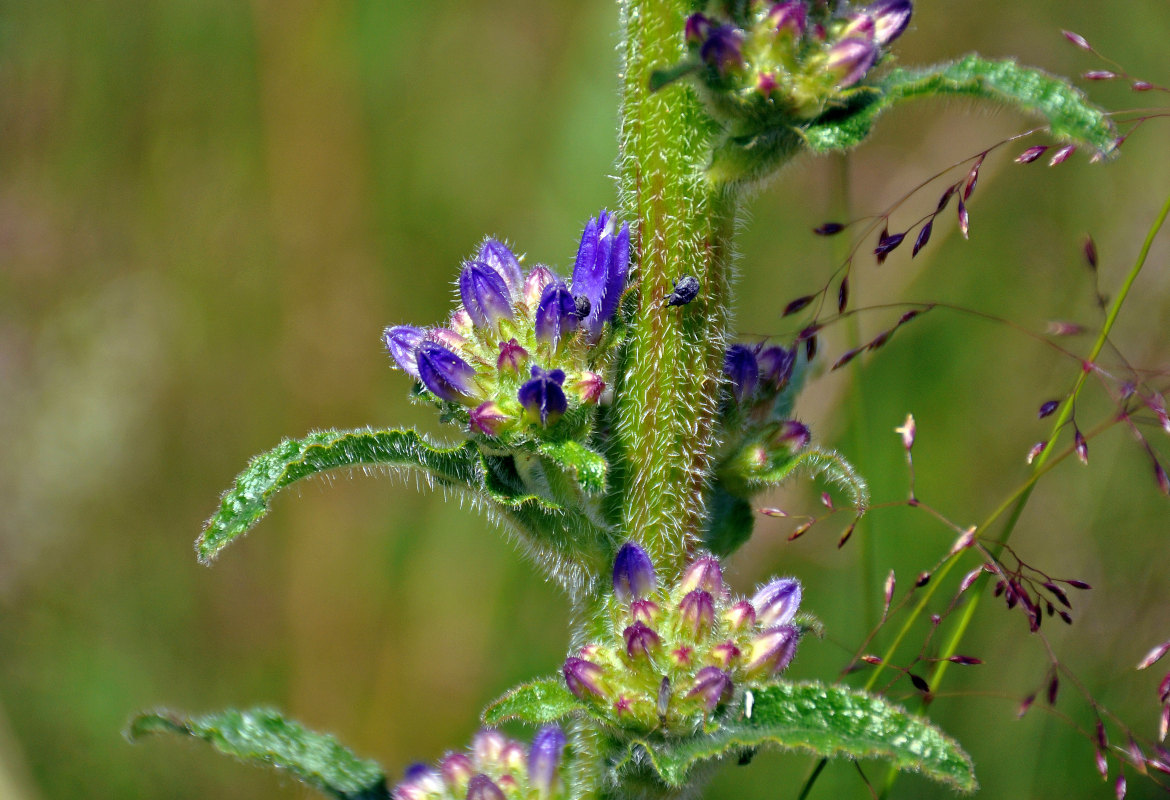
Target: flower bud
[
  {"x": 723, "y": 49},
  {"x": 486, "y": 746},
  {"x": 513, "y": 757},
  {"x": 544, "y": 759},
  {"x": 776, "y": 364},
  {"x": 640, "y": 640},
  {"x": 890, "y": 19},
  {"x": 697, "y": 28},
  {"x": 457, "y": 770},
  {"x": 556, "y": 314},
  {"x": 788, "y": 19},
  {"x": 445, "y": 374},
  {"x": 741, "y": 616},
  {"x": 777, "y": 602},
  {"x": 860, "y": 26},
  {"x": 461, "y": 321},
  {"x": 742, "y": 370},
  {"x": 446, "y": 337},
  {"x": 849, "y": 60},
  {"x": 644, "y": 611},
  {"x": 712, "y": 686},
  {"x": 792, "y": 435},
  {"x": 512, "y": 357},
  {"x": 772, "y": 651},
  {"x": 589, "y": 387},
  {"x": 485, "y": 294},
  {"x": 542, "y": 396},
  {"x": 540, "y": 277},
  {"x": 402, "y": 341},
  {"x": 423, "y": 778},
  {"x": 697, "y": 610},
  {"x": 489, "y": 419},
  {"x": 599, "y": 274},
  {"x": 725, "y": 653},
  {"x": 633, "y": 573},
  {"x": 500, "y": 257},
  {"x": 583, "y": 678},
  {"x": 704, "y": 573},
  {"x": 481, "y": 787}
]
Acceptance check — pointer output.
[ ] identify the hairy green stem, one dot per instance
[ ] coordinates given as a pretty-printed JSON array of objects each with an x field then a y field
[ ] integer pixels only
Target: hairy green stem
[{"x": 667, "y": 391}]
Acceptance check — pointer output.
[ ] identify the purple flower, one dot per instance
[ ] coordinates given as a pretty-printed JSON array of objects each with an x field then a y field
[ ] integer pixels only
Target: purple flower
[
  {"x": 712, "y": 686},
  {"x": 499, "y": 257},
  {"x": 633, "y": 573},
  {"x": 788, "y": 19},
  {"x": 890, "y": 19},
  {"x": 542, "y": 396},
  {"x": 849, "y": 60},
  {"x": 481, "y": 787},
  {"x": 603, "y": 262},
  {"x": 556, "y": 314},
  {"x": 544, "y": 758},
  {"x": 723, "y": 48},
  {"x": 772, "y": 651},
  {"x": 402, "y": 341},
  {"x": 704, "y": 573},
  {"x": 742, "y": 369},
  {"x": 776, "y": 364},
  {"x": 640, "y": 640},
  {"x": 777, "y": 602},
  {"x": 484, "y": 293},
  {"x": 583, "y": 678},
  {"x": 445, "y": 374},
  {"x": 697, "y": 610}
]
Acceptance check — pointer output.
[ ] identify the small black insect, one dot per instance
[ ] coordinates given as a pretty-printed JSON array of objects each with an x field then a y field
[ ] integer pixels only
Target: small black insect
[
  {"x": 581, "y": 306},
  {"x": 685, "y": 290}
]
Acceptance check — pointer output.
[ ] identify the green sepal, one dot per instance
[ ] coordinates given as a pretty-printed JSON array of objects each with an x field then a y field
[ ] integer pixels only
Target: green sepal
[
  {"x": 1068, "y": 112},
  {"x": 537, "y": 703},
  {"x": 818, "y": 719},
  {"x": 571, "y": 547},
  {"x": 264, "y": 736}
]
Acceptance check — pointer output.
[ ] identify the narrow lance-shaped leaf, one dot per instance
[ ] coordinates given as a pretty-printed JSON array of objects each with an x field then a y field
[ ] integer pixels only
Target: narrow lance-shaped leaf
[
  {"x": 264, "y": 736},
  {"x": 537, "y": 703},
  {"x": 824, "y": 720},
  {"x": 1069, "y": 114}
]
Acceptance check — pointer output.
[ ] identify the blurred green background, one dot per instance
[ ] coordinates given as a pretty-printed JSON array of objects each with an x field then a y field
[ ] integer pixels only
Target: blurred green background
[{"x": 209, "y": 210}]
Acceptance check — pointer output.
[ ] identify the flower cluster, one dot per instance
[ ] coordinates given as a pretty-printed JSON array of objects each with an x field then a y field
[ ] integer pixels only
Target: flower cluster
[
  {"x": 522, "y": 350},
  {"x": 678, "y": 653},
  {"x": 494, "y": 768},
  {"x": 795, "y": 56}
]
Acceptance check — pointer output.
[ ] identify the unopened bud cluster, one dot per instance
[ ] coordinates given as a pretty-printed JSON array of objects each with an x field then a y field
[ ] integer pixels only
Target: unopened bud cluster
[
  {"x": 494, "y": 768},
  {"x": 794, "y": 57},
  {"x": 758, "y": 433},
  {"x": 523, "y": 349},
  {"x": 677, "y": 654}
]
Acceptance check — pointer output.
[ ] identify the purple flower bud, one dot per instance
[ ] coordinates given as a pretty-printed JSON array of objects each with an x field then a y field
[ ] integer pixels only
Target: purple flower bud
[
  {"x": 704, "y": 573},
  {"x": 633, "y": 573},
  {"x": 583, "y": 678},
  {"x": 589, "y": 387},
  {"x": 890, "y": 19},
  {"x": 697, "y": 28},
  {"x": 788, "y": 19},
  {"x": 765, "y": 84},
  {"x": 545, "y": 758},
  {"x": 772, "y": 651},
  {"x": 481, "y": 787},
  {"x": 599, "y": 275},
  {"x": 723, "y": 49},
  {"x": 489, "y": 419},
  {"x": 499, "y": 257},
  {"x": 513, "y": 757},
  {"x": 742, "y": 369},
  {"x": 777, "y": 602},
  {"x": 697, "y": 609},
  {"x": 849, "y": 60},
  {"x": 792, "y": 434},
  {"x": 776, "y": 365},
  {"x": 446, "y": 337},
  {"x": 556, "y": 314},
  {"x": 712, "y": 686},
  {"x": 402, "y": 341},
  {"x": 644, "y": 611},
  {"x": 423, "y": 776},
  {"x": 485, "y": 294},
  {"x": 445, "y": 374},
  {"x": 542, "y": 396},
  {"x": 512, "y": 357},
  {"x": 486, "y": 747},
  {"x": 457, "y": 769},
  {"x": 725, "y": 653},
  {"x": 640, "y": 640},
  {"x": 540, "y": 277},
  {"x": 461, "y": 321},
  {"x": 859, "y": 26},
  {"x": 741, "y": 616}
]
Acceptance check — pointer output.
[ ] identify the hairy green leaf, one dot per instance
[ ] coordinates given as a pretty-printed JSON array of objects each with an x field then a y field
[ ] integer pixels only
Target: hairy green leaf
[
  {"x": 564, "y": 540},
  {"x": 537, "y": 703},
  {"x": 264, "y": 736},
  {"x": 586, "y": 468},
  {"x": 1069, "y": 114},
  {"x": 824, "y": 720}
]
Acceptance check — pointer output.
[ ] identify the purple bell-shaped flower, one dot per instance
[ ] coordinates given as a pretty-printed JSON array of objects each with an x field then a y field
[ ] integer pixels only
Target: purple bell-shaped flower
[
  {"x": 542, "y": 396},
  {"x": 445, "y": 374}
]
